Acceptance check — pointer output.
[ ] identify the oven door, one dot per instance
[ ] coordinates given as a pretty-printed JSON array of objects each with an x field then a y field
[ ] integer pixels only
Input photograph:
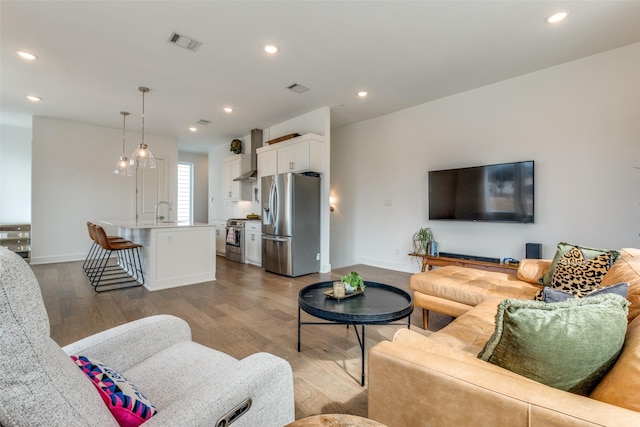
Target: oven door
[{"x": 235, "y": 245}]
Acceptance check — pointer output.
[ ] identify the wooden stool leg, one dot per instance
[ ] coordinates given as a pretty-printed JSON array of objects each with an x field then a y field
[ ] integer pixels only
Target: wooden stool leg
[{"x": 425, "y": 319}]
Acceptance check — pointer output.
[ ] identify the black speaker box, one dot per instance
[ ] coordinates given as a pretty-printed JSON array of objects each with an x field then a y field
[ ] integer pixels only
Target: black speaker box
[{"x": 533, "y": 250}]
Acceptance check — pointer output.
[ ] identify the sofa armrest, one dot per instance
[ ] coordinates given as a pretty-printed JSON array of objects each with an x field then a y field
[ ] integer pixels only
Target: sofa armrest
[
  {"x": 262, "y": 377},
  {"x": 127, "y": 345},
  {"x": 532, "y": 270},
  {"x": 400, "y": 376}
]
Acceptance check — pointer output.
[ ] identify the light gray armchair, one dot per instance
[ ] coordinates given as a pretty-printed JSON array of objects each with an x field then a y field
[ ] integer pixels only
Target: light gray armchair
[{"x": 189, "y": 384}]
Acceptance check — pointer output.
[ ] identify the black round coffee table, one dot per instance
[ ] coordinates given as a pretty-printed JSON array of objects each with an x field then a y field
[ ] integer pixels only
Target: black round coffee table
[{"x": 379, "y": 304}]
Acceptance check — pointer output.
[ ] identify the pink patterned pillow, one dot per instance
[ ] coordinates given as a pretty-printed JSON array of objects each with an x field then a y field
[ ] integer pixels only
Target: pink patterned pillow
[{"x": 127, "y": 404}]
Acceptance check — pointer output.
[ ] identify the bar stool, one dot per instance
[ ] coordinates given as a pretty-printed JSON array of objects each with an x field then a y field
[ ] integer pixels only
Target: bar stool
[
  {"x": 96, "y": 251},
  {"x": 118, "y": 265}
]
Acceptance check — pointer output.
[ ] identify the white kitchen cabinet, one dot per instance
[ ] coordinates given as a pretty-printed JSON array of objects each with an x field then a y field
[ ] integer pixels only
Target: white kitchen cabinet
[
  {"x": 301, "y": 157},
  {"x": 268, "y": 163},
  {"x": 301, "y": 154},
  {"x": 221, "y": 237},
  {"x": 253, "y": 243},
  {"x": 233, "y": 167}
]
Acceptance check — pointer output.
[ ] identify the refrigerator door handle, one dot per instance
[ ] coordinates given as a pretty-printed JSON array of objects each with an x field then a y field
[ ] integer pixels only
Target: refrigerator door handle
[
  {"x": 273, "y": 200},
  {"x": 275, "y": 239}
]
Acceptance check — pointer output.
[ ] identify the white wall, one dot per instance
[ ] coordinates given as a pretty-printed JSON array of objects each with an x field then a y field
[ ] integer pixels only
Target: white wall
[
  {"x": 15, "y": 175},
  {"x": 72, "y": 183},
  {"x": 200, "y": 184},
  {"x": 579, "y": 121}
]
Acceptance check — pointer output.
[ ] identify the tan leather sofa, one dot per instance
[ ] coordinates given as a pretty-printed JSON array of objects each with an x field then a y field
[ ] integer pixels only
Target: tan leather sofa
[{"x": 437, "y": 380}]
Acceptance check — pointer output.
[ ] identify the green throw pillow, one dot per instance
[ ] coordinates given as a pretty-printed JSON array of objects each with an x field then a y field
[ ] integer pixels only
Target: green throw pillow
[
  {"x": 589, "y": 253},
  {"x": 567, "y": 345}
]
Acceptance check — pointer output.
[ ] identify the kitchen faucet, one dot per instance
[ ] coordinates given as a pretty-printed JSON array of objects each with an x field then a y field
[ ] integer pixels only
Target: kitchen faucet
[{"x": 155, "y": 210}]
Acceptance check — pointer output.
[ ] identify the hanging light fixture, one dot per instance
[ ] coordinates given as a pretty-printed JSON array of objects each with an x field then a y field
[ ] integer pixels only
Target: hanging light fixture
[
  {"x": 123, "y": 167},
  {"x": 142, "y": 157}
]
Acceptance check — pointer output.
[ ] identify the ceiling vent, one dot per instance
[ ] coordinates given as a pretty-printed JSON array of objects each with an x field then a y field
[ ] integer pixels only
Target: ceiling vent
[
  {"x": 297, "y": 88},
  {"x": 203, "y": 122},
  {"x": 185, "y": 42}
]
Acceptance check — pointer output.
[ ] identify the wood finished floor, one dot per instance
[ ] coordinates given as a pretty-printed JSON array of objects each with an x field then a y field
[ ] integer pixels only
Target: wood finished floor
[{"x": 246, "y": 310}]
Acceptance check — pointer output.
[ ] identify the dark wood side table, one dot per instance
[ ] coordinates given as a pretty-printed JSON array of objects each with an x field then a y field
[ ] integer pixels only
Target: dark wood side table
[
  {"x": 429, "y": 261},
  {"x": 379, "y": 304}
]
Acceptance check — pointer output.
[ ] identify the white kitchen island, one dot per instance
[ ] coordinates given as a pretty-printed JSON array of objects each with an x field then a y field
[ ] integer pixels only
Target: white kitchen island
[{"x": 173, "y": 253}]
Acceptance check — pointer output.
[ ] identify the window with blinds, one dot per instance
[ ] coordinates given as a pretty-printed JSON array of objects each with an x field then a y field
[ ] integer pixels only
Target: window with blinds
[{"x": 185, "y": 191}]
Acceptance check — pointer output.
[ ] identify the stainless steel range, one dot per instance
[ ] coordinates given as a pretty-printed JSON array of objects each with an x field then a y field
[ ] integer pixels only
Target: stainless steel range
[{"x": 235, "y": 240}]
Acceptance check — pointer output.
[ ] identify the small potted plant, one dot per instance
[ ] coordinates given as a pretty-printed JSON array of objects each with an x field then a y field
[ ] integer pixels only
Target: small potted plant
[
  {"x": 353, "y": 282},
  {"x": 421, "y": 241}
]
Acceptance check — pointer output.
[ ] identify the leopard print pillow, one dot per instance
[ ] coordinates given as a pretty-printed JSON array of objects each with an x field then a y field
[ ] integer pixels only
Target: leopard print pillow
[{"x": 578, "y": 276}]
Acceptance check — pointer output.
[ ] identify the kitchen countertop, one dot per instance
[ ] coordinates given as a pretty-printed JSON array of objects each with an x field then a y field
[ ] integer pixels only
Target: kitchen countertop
[{"x": 132, "y": 224}]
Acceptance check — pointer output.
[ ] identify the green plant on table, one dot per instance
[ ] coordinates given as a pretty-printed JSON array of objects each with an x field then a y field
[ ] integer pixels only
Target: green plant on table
[
  {"x": 421, "y": 240},
  {"x": 354, "y": 280}
]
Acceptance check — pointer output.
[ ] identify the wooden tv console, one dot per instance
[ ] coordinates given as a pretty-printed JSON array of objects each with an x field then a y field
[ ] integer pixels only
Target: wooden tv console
[{"x": 440, "y": 261}]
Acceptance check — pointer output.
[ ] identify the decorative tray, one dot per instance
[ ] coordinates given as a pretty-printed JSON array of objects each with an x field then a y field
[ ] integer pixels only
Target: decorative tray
[{"x": 329, "y": 293}]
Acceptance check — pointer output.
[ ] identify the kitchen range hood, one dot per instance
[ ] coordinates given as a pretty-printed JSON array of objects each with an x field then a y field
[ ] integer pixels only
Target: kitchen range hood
[{"x": 256, "y": 141}]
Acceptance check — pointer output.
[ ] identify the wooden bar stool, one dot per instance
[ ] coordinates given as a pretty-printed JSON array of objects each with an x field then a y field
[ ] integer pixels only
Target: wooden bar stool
[
  {"x": 120, "y": 265},
  {"x": 96, "y": 252}
]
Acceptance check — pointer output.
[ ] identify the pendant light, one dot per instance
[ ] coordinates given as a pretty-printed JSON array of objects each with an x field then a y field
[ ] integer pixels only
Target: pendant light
[
  {"x": 123, "y": 167},
  {"x": 142, "y": 157}
]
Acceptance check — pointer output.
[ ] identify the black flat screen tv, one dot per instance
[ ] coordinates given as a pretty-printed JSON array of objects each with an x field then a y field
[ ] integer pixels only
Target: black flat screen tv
[{"x": 494, "y": 193}]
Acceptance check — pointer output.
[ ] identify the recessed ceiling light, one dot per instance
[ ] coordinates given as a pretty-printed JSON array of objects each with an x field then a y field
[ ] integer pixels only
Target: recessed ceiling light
[
  {"x": 228, "y": 109},
  {"x": 193, "y": 129},
  {"x": 271, "y": 48},
  {"x": 34, "y": 98},
  {"x": 363, "y": 93},
  {"x": 557, "y": 17},
  {"x": 27, "y": 55}
]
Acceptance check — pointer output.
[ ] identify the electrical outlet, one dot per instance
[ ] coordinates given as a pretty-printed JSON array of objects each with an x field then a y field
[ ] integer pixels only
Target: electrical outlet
[
  {"x": 168, "y": 238},
  {"x": 397, "y": 251},
  {"x": 388, "y": 202}
]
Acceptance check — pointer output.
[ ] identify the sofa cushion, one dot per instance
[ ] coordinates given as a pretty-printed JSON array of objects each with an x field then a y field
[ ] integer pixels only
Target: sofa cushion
[
  {"x": 589, "y": 253},
  {"x": 39, "y": 385},
  {"x": 627, "y": 269},
  {"x": 569, "y": 345},
  {"x": 577, "y": 275},
  {"x": 127, "y": 404},
  {"x": 621, "y": 386},
  {"x": 470, "y": 286},
  {"x": 550, "y": 295}
]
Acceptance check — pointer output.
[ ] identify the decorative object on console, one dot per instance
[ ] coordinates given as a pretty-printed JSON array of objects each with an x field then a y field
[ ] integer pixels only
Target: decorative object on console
[
  {"x": 569, "y": 345},
  {"x": 127, "y": 404},
  {"x": 236, "y": 146},
  {"x": 421, "y": 241},
  {"x": 353, "y": 282},
  {"x": 142, "y": 156},
  {"x": 123, "y": 167}
]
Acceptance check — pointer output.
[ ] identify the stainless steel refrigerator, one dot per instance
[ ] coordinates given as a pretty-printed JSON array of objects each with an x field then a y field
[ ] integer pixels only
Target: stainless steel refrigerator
[{"x": 291, "y": 224}]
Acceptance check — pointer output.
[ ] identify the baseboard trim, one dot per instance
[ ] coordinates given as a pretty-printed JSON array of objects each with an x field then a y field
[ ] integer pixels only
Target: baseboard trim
[{"x": 57, "y": 258}]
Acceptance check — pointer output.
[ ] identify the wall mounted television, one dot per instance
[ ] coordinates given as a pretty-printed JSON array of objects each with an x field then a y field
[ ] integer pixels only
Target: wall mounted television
[{"x": 493, "y": 193}]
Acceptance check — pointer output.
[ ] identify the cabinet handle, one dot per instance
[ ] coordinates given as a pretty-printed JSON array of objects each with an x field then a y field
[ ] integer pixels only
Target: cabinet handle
[{"x": 290, "y": 165}]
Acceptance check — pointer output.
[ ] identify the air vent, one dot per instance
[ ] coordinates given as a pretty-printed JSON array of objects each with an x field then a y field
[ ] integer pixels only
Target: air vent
[
  {"x": 203, "y": 122},
  {"x": 297, "y": 88},
  {"x": 185, "y": 42}
]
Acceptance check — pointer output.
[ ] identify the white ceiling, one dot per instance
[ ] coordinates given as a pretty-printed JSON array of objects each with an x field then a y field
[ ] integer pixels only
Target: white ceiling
[{"x": 93, "y": 55}]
